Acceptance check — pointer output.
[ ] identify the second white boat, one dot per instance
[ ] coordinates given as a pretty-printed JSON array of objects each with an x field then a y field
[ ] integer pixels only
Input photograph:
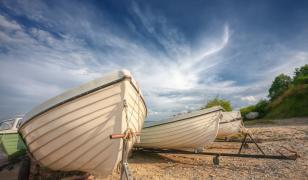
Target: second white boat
[
  {"x": 230, "y": 124},
  {"x": 190, "y": 130}
]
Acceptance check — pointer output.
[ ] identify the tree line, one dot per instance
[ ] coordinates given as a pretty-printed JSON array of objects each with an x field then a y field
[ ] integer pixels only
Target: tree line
[{"x": 279, "y": 86}]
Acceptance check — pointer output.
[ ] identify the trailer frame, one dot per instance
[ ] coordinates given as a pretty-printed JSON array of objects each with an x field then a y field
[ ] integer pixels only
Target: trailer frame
[{"x": 216, "y": 155}]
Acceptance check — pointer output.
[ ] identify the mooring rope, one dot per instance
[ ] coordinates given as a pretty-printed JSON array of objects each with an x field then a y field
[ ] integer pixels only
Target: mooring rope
[{"x": 129, "y": 133}]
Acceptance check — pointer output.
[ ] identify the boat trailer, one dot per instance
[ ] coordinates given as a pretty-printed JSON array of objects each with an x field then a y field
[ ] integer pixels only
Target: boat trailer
[
  {"x": 281, "y": 156},
  {"x": 128, "y": 135}
]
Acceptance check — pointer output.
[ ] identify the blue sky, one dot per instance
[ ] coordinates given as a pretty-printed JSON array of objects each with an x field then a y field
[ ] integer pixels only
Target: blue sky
[{"x": 182, "y": 53}]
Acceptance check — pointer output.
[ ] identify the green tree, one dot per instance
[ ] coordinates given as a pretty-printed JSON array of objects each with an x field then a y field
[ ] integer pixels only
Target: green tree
[
  {"x": 218, "y": 102},
  {"x": 301, "y": 75},
  {"x": 279, "y": 85}
]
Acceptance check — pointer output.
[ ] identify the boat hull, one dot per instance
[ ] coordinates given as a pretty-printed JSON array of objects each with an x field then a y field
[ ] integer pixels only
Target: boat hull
[
  {"x": 230, "y": 124},
  {"x": 191, "y": 133},
  {"x": 11, "y": 144},
  {"x": 74, "y": 136},
  {"x": 229, "y": 128}
]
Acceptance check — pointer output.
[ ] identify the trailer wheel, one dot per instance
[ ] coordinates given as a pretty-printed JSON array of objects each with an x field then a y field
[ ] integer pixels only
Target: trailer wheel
[
  {"x": 24, "y": 171},
  {"x": 216, "y": 160}
]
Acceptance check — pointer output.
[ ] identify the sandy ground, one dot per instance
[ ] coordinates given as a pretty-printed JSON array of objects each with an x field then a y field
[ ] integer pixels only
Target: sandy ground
[{"x": 292, "y": 134}]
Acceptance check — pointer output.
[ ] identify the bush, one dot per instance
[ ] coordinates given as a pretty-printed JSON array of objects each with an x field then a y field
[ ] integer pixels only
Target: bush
[
  {"x": 244, "y": 111},
  {"x": 261, "y": 107},
  {"x": 218, "y": 102}
]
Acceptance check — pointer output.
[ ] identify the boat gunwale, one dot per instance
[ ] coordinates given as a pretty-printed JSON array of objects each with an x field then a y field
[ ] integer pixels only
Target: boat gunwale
[
  {"x": 185, "y": 118},
  {"x": 233, "y": 120},
  {"x": 125, "y": 77},
  {"x": 14, "y": 128},
  {"x": 4, "y": 133}
]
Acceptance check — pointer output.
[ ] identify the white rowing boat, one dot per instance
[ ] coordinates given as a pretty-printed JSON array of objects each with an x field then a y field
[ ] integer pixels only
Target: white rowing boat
[
  {"x": 70, "y": 132},
  {"x": 191, "y": 130},
  {"x": 230, "y": 124}
]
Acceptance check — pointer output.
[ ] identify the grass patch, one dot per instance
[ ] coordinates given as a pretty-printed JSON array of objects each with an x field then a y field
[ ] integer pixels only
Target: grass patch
[{"x": 293, "y": 103}]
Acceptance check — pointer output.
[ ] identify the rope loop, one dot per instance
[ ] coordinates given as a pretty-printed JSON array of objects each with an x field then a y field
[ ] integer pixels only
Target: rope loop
[{"x": 129, "y": 134}]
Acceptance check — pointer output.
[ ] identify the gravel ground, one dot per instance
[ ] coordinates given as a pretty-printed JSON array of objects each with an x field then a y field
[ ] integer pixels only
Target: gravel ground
[
  {"x": 176, "y": 166},
  {"x": 291, "y": 133}
]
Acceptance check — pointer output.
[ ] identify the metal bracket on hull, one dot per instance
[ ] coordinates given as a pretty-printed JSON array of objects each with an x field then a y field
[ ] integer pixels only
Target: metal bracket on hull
[
  {"x": 126, "y": 137},
  {"x": 125, "y": 173}
]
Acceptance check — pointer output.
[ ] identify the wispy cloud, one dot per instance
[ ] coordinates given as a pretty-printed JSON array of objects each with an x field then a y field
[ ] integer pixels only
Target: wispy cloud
[{"x": 68, "y": 46}]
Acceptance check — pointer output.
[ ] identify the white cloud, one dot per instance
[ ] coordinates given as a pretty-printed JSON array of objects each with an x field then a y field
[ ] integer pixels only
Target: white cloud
[
  {"x": 249, "y": 99},
  {"x": 214, "y": 48},
  {"x": 8, "y": 25},
  {"x": 174, "y": 75},
  {"x": 42, "y": 64}
]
